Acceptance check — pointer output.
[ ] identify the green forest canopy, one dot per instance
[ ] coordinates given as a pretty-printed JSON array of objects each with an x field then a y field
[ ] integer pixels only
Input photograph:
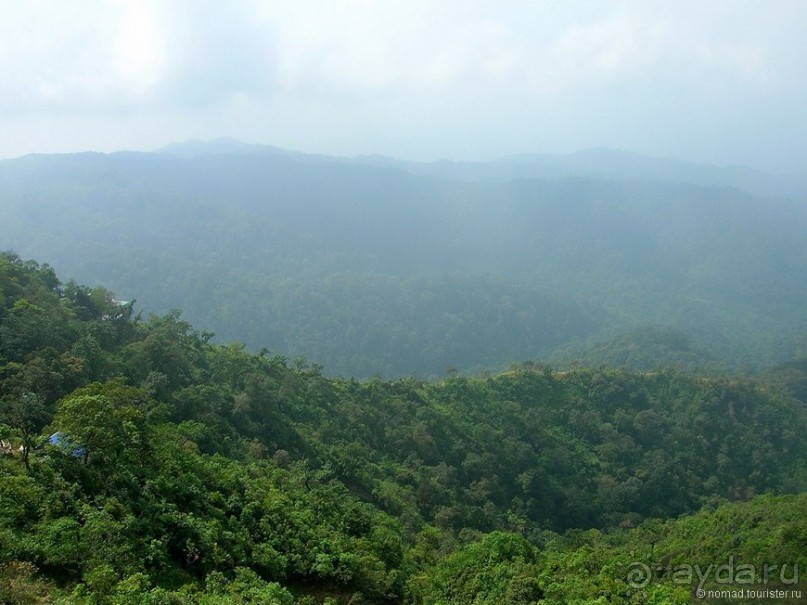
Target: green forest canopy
[
  {"x": 191, "y": 472},
  {"x": 384, "y": 269}
]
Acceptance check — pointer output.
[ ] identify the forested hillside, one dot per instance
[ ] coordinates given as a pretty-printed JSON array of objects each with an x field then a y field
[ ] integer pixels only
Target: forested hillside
[
  {"x": 144, "y": 464},
  {"x": 376, "y": 267}
]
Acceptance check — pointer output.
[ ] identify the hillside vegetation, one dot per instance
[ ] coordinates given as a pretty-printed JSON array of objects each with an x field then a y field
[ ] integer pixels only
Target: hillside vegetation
[
  {"x": 376, "y": 267},
  {"x": 150, "y": 465}
]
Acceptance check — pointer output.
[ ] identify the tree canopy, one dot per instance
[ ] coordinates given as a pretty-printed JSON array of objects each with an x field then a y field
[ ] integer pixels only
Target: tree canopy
[{"x": 212, "y": 475}]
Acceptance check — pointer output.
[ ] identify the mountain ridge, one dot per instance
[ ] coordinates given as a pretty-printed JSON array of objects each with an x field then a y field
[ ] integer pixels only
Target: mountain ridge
[
  {"x": 595, "y": 162},
  {"x": 376, "y": 269}
]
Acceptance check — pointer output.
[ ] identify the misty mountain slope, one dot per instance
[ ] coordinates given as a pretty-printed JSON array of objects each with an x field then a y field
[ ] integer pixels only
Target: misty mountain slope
[
  {"x": 370, "y": 269},
  {"x": 603, "y": 163}
]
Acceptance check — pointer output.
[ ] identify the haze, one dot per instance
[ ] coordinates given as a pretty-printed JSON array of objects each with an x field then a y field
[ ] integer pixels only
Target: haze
[{"x": 720, "y": 82}]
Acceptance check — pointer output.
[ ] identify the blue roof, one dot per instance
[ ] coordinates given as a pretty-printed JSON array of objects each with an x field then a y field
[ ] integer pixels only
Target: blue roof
[{"x": 63, "y": 442}]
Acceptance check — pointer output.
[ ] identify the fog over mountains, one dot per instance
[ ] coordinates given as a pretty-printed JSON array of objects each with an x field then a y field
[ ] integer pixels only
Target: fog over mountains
[{"x": 373, "y": 265}]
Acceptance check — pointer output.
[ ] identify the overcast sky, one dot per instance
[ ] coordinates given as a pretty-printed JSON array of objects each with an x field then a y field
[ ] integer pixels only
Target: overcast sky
[{"x": 706, "y": 80}]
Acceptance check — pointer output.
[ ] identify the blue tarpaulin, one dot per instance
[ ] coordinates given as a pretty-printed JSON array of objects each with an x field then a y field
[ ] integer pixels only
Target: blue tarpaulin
[{"x": 63, "y": 443}]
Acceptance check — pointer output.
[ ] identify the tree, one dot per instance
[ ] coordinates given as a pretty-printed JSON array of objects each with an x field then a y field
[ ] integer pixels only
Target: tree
[
  {"x": 106, "y": 420},
  {"x": 26, "y": 414},
  {"x": 499, "y": 569}
]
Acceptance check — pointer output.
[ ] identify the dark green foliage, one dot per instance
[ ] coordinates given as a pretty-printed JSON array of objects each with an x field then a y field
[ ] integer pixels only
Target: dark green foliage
[
  {"x": 791, "y": 378},
  {"x": 382, "y": 270},
  {"x": 643, "y": 349},
  {"x": 189, "y": 472}
]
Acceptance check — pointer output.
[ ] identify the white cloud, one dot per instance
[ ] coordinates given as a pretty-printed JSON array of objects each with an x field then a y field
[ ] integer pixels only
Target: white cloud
[
  {"x": 139, "y": 57},
  {"x": 113, "y": 56},
  {"x": 618, "y": 47},
  {"x": 451, "y": 77},
  {"x": 217, "y": 51},
  {"x": 359, "y": 48}
]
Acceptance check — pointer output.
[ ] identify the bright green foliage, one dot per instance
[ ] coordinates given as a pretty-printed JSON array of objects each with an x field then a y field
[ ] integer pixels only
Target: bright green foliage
[
  {"x": 584, "y": 567},
  {"x": 500, "y": 568},
  {"x": 192, "y": 473},
  {"x": 106, "y": 421}
]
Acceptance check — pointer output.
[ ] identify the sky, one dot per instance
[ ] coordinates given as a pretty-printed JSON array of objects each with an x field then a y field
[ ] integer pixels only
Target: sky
[{"x": 708, "y": 80}]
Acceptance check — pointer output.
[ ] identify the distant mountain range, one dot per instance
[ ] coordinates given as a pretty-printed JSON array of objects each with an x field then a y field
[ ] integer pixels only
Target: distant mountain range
[
  {"x": 374, "y": 265},
  {"x": 597, "y": 163},
  {"x": 226, "y": 145}
]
